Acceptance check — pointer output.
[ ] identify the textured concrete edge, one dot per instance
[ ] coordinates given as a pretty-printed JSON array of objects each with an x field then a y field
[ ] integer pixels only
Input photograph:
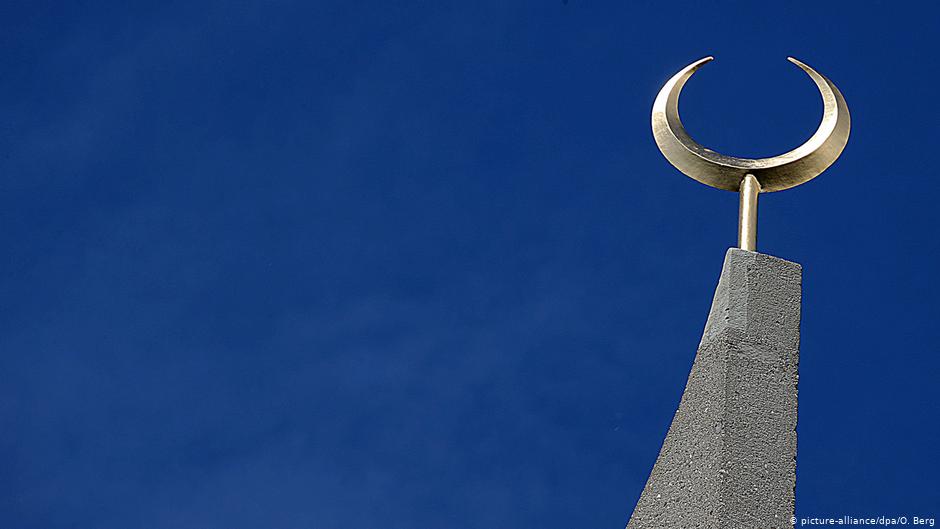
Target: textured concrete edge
[
  {"x": 774, "y": 258},
  {"x": 729, "y": 455}
]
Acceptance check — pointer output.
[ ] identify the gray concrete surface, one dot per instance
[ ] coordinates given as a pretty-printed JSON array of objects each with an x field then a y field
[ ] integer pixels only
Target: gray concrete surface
[{"x": 729, "y": 458}]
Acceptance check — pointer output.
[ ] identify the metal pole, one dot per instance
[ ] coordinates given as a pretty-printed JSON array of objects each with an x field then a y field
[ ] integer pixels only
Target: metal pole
[{"x": 747, "y": 214}]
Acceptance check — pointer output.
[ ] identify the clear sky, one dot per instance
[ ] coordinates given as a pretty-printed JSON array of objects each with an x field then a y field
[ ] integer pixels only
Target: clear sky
[{"x": 349, "y": 265}]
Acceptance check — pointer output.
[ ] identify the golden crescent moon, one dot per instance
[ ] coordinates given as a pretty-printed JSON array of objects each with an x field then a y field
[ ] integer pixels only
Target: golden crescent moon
[{"x": 726, "y": 172}]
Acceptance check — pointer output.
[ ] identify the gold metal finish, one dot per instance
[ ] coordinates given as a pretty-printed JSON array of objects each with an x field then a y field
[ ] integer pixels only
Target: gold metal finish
[
  {"x": 725, "y": 172},
  {"x": 750, "y": 176},
  {"x": 747, "y": 213}
]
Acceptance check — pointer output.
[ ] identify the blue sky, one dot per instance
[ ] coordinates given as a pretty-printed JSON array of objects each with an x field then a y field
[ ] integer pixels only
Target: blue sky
[{"x": 420, "y": 265}]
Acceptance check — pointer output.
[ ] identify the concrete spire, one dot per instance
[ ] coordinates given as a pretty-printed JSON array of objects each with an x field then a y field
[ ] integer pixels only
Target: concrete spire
[{"x": 729, "y": 458}]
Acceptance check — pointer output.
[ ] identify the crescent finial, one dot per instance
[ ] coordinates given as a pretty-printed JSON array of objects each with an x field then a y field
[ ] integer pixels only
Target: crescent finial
[{"x": 727, "y": 172}]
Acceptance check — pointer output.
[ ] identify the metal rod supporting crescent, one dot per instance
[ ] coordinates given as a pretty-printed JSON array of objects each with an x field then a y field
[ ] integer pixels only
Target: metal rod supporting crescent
[
  {"x": 747, "y": 213},
  {"x": 726, "y": 172}
]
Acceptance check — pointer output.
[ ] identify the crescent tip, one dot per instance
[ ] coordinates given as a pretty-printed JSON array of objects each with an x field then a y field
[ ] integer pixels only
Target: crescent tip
[
  {"x": 674, "y": 86},
  {"x": 698, "y": 64},
  {"x": 795, "y": 61},
  {"x": 805, "y": 67}
]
